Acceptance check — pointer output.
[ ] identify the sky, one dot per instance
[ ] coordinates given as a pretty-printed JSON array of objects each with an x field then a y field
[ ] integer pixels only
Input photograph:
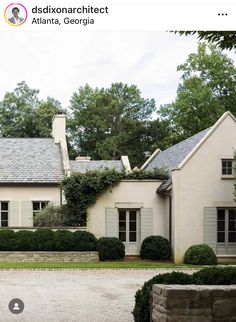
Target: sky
[{"x": 58, "y": 63}]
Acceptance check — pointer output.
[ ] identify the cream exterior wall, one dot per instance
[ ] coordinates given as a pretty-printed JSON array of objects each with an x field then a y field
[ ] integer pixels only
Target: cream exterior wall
[
  {"x": 22, "y": 193},
  {"x": 199, "y": 184},
  {"x": 134, "y": 191}
]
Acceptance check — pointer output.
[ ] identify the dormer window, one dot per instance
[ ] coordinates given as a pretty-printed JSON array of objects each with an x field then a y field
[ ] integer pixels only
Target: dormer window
[{"x": 227, "y": 167}]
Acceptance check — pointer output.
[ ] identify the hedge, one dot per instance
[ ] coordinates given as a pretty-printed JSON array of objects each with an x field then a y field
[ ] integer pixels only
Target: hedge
[
  {"x": 47, "y": 240},
  {"x": 207, "y": 276},
  {"x": 110, "y": 248},
  {"x": 200, "y": 255},
  {"x": 155, "y": 248}
]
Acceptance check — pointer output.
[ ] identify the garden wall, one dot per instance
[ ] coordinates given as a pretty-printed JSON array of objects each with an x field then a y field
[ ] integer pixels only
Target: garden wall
[
  {"x": 195, "y": 303},
  {"x": 49, "y": 256}
]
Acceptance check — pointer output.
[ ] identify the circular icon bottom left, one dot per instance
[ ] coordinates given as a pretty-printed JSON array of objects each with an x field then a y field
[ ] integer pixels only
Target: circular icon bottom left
[{"x": 16, "y": 306}]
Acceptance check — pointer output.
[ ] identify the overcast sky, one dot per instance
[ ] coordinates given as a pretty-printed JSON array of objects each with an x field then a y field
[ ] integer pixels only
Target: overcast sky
[{"x": 57, "y": 63}]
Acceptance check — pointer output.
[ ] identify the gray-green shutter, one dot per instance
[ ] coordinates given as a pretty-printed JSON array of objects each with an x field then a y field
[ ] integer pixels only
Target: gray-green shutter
[
  {"x": 14, "y": 214},
  {"x": 146, "y": 222},
  {"x": 112, "y": 229},
  {"x": 27, "y": 213},
  {"x": 210, "y": 227}
]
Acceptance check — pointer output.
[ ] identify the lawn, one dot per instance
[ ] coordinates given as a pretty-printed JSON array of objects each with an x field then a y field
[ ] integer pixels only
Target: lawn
[{"x": 139, "y": 264}]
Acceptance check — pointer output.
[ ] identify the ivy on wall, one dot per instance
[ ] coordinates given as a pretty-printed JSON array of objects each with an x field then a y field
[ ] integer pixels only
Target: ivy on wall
[{"x": 82, "y": 189}]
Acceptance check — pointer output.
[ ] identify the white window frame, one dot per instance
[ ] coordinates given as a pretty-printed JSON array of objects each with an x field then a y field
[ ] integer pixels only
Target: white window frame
[
  {"x": 5, "y": 211},
  {"x": 227, "y": 175},
  {"x": 127, "y": 220},
  {"x": 226, "y": 231}
]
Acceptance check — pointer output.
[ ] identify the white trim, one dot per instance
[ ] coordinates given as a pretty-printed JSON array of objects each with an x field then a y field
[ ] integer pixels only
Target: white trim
[
  {"x": 200, "y": 143},
  {"x": 155, "y": 153},
  {"x": 125, "y": 162}
]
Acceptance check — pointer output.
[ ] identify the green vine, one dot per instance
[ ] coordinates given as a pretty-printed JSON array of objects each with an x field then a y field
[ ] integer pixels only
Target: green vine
[{"x": 82, "y": 189}]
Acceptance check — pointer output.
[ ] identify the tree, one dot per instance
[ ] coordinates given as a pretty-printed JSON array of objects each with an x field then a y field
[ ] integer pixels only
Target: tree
[
  {"x": 223, "y": 39},
  {"x": 22, "y": 114},
  {"x": 208, "y": 89},
  {"x": 109, "y": 122}
]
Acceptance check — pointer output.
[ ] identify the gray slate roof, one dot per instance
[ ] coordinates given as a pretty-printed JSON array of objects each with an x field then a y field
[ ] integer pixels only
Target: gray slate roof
[
  {"x": 30, "y": 160},
  {"x": 173, "y": 156},
  {"x": 83, "y": 166}
]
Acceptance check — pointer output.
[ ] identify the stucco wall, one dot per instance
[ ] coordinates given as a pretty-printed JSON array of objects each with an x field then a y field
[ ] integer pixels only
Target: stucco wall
[
  {"x": 22, "y": 193},
  {"x": 199, "y": 184},
  {"x": 134, "y": 191}
]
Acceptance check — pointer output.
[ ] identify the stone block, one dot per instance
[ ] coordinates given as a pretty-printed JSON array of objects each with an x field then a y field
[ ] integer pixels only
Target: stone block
[{"x": 225, "y": 307}]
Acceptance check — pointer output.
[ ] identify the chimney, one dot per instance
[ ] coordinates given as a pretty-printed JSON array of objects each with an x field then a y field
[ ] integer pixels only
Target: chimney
[
  {"x": 59, "y": 135},
  {"x": 81, "y": 157},
  {"x": 59, "y": 128}
]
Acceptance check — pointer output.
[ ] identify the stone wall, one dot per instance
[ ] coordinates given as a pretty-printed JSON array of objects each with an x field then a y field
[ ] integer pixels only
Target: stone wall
[
  {"x": 193, "y": 303},
  {"x": 49, "y": 257}
]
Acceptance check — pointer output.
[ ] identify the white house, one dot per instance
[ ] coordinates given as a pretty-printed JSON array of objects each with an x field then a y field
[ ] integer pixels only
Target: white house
[{"x": 195, "y": 205}]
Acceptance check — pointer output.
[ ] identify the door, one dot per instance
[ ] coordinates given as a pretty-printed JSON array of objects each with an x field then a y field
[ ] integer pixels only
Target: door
[{"x": 129, "y": 230}]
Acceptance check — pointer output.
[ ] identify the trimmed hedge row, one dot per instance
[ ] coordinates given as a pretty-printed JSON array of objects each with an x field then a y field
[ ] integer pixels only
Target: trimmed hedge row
[
  {"x": 61, "y": 240},
  {"x": 47, "y": 240},
  {"x": 207, "y": 276}
]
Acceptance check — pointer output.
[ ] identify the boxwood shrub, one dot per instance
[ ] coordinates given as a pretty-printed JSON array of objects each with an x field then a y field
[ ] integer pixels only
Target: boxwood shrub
[
  {"x": 155, "y": 248},
  {"x": 110, "y": 248},
  {"x": 44, "y": 239},
  {"x": 206, "y": 276},
  {"x": 25, "y": 240},
  {"x": 84, "y": 241},
  {"x": 7, "y": 240},
  {"x": 64, "y": 240},
  {"x": 200, "y": 255}
]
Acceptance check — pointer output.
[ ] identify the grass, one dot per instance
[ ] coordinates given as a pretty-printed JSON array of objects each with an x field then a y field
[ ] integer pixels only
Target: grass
[{"x": 95, "y": 265}]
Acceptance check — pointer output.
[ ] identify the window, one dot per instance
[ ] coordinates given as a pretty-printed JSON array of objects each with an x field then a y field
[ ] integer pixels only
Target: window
[
  {"x": 227, "y": 167},
  {"x": 128, "y": 225},
  {"x": 226, "y": 225},
  {"x": 4, "y": 213},
  {"x": 38, "y": 205}
]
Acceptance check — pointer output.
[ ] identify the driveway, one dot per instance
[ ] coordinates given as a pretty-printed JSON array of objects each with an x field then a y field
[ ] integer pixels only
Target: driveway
[{"x": 72, "y": 295}]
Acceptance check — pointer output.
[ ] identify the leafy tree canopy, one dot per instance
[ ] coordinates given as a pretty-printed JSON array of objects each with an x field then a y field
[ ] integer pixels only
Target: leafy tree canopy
[
  {"x": 109, "y": 122},
  {"x": 223, "y": 39},
  {"x": 207, "y": 90}
]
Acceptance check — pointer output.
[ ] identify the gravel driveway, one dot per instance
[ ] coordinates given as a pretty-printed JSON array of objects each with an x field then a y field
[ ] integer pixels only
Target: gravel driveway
[{"x": 72, "y": 295}]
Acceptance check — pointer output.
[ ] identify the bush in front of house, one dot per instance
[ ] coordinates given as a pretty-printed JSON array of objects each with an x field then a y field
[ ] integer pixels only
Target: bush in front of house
[
  {"x": 50, "y": 216},
  {"x": 7, "y": 240},
  {"x": 84, "y": 241},
  {"x": 200, "y": 255},
  {"x": 44, "y": 239},
  {"x": 155, "y": 248},
  {"x": 25, "y": 240},
  {"x": 63, "y": 240},
  {"x": 206, "y": 276},
  {"x": 141, "y": 310},
  {"x": 110, "y": 248},
  {"x": 215, "y": 276}
]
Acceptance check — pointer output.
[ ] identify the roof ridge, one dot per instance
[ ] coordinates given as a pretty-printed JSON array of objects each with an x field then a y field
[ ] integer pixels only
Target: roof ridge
[{"x": 190, "y": 137}]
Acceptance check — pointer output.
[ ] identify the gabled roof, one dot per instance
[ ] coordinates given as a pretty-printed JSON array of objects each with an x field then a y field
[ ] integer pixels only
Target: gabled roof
[
  {"x": 30, "y": 160},
  {"x": 83, "y": 166},
  {"x": 173, "y": 156}
]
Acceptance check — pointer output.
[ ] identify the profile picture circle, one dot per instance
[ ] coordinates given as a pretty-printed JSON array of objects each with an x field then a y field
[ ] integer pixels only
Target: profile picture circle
[{"x": 15, "y": 14}]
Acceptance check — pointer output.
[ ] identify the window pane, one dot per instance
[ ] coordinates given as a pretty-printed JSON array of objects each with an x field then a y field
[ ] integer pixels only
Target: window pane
[
  {"x": 44, "y": 204},
  {"x": 4, "y": 216},
  {"x": 122, "y": 226},
  {"x": 122, "y": 215},
  {"x": 232, "y": 214},
  {"x": 221, "y": 226},
  {"x": 132, "y": 215},
  {"x": 4, "y": 205},
  {"x": 122, "y": 236},
  {"x": 36, "y": 206},
  {"x": 221, "y": 237},
  {"x": 132, "y": 236},
  {"x": 132, "y": 226},
  {"x": 221, "y": 214},
  {"x": 4, "y": 223},
  {"x": 232, "y": 237},
  {"x": 232, "y": 225}
]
